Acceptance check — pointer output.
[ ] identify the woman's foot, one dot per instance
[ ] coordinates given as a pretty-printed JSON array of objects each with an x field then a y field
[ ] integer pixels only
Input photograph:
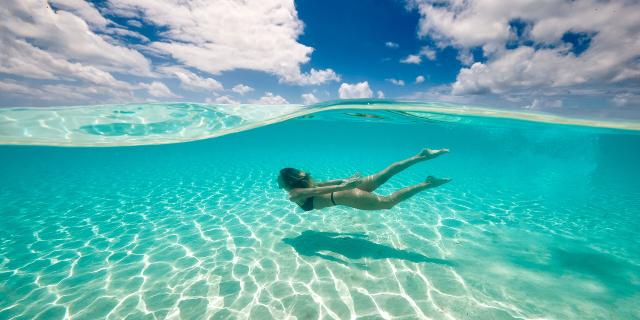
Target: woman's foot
[
  {"x": 428, "y": 154},
  {"x": 434, "y": 182}
]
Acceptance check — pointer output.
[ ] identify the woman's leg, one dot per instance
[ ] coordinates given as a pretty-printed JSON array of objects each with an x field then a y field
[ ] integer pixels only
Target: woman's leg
[
  {"x": 408, "y": 192},
  {"x": 363, "y": 200},
  {"x": 373, "y": 181}
]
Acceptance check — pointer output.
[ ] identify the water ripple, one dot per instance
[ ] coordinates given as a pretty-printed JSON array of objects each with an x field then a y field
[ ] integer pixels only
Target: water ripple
[{"x": 144, "y": 124}]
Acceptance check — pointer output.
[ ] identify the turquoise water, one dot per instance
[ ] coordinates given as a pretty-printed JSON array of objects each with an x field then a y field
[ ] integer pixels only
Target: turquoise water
[{"x": 540, "y": 221}]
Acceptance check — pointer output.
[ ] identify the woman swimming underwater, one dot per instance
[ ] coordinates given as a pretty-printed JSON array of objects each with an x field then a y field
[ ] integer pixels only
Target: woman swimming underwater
[{"x": 355, "y": 192}]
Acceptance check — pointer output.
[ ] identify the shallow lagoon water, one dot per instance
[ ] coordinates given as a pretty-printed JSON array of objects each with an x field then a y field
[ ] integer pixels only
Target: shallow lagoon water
[{"x": 540, "y": 221}]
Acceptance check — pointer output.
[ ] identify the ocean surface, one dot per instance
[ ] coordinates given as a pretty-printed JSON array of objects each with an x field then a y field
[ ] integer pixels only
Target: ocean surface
[{"x": 173, "y": 211}]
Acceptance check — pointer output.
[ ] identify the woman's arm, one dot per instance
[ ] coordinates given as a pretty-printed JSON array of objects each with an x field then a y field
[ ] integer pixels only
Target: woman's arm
[
  {"x": 310, "y": 192},
  {"x": 329, "y": 183},
  {"x": 336, "y": 181}
]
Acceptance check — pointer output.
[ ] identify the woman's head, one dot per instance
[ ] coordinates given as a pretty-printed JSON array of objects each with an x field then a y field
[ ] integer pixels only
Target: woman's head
[{"x": 291, "y": 178}]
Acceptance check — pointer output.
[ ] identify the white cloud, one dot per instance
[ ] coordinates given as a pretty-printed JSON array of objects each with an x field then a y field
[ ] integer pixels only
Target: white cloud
[
  {"x": 526, "y": 68},
  {"x": 116, "y": 32},
  {"x": 626, "y": 99},
  {"x": 309, "y": 98},
  {"x": 420, "y": 79},
  {"x": 191, "y": 81},
  {"x": 428, "y": 52},
  {"x": 390, "y": 44},
  {"x": 75, "y": 42},
  {"x": 396, "y": 82},
  {"x": 417, "y": 58},
  {"x": 270, "y": 98},
  {"x": 465, "y": 57},
  {"x": 540, "y": 104},
  {"x": 412, "y": 59},
  {"x": 157, "y": 89},
  {"x": 241, "y": 89},
  {"x": 437, "y": 93},
  {"x": 223, "y": 35},
  {"x": 380, "y": 94},
  {"x": 92, "y": 93},
  {"x": 64, "y": 93},
  {"x": 222, "y": 100},
  {"x": 537, "y": 58},
  {"x": 355, "y": 91},
  {"x": 14, "y": 87},
  {"x": 66, "y": 35},
  {"x": 18, "y": 57},
  {"x": 313, "y": 77},
  {"x": 74, "y": 48},
  {"x": 468, "y": 23},
  {"x": 82, "y": 9},
  {"x": 134, "y": 23}
]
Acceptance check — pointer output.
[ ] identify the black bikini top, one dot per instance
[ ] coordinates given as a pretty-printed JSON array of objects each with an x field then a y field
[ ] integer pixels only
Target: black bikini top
[{"x": 308, "y": 204}]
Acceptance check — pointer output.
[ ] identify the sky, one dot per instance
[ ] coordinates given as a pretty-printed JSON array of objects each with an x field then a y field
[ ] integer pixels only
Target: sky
[{"x": 577, "y": 58}]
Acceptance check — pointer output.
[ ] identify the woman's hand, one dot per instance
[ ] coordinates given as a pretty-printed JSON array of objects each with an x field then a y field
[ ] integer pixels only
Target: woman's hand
[
  {"x": 352, "y": 182},
  {"x": 356, "y": 175}
]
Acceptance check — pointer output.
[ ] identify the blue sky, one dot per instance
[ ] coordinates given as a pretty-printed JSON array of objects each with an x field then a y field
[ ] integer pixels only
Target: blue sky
[{"x": 574, "y": 58}]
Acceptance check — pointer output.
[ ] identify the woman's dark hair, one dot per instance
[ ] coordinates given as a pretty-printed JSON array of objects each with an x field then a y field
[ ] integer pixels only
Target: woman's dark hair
[{"x": 294, "y": 178}]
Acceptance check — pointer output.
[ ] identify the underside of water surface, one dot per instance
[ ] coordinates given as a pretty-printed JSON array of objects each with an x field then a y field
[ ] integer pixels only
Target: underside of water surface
[
  {"x": 144, "y": 124},
  {"x": 181, "y": 216}
]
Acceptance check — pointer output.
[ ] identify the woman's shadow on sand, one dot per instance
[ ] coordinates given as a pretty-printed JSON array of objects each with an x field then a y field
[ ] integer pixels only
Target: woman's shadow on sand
[{"x": 351, "y": 246}]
